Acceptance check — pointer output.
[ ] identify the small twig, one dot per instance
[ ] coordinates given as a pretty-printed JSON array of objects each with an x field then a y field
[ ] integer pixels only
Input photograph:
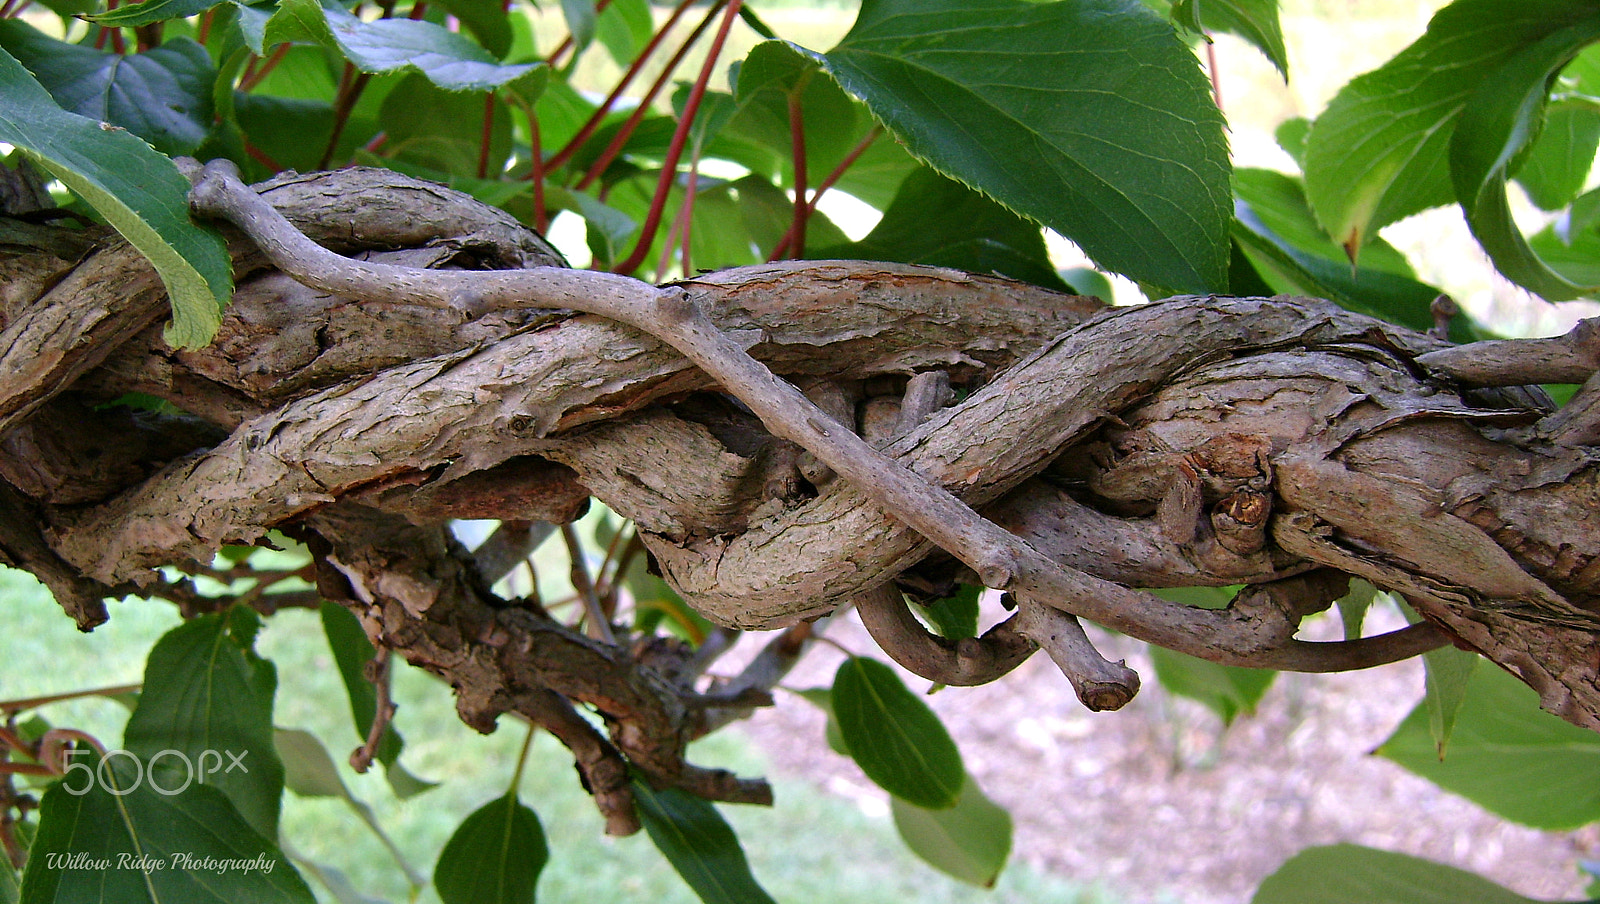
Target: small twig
[
  {"x": 599, "y": 627},
  {"x": 718, "y": 642},
  {"x": 536, "y": 171},
  {"x": 1444, "y": 309},
  {"x": 350, "y": 88},
  {"x": 1570, "y": 358},
  {"x": 762, "y": 674},
  {"x": 260, "y": 68},
  {"x": 691, "y": 191},
  {"x": 378, "y": 672},
  {"x": 797, "y": 150},
  {"x": 13, "y": 807},
  {"x": 965, "y": 663},
  {"x": 1211, "y": 68},
  {"x": 262, "y": 158},
  {"x": 10, "y": 739},
  {"x": 486, "y": 133},
  {"x": 604, "y": 771},
  {"x": 510, "y": 545},
  {"x": 1100, "y": 684},
  {"x": 7, "y": 707},
  {"x": 147, "y": 36},
  {"x": 614, "y": 567},
  {"x": 1577, "y": 423},
  {"x": 52, "y": 746}
]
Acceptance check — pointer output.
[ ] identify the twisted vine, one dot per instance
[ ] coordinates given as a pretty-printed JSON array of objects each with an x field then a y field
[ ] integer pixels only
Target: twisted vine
[{"x": 1282, "y": 444}]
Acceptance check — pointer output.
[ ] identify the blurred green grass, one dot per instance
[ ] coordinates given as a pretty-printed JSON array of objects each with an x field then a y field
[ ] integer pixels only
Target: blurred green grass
[{"x": 808, "y": 848}]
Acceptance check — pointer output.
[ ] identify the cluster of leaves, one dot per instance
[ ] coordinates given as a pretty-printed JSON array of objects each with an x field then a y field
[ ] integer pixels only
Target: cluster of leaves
[{"x": 971, "y": 124}]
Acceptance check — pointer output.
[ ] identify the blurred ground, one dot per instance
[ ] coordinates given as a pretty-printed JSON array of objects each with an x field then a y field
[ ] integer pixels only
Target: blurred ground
[{"x": 1150, "y": 802}]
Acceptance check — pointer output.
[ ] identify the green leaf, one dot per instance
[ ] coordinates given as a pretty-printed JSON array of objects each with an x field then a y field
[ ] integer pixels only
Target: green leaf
[
  {"x": 1278, "y": 209},
  {"x": 141, "y": 846},
  {"x": 822, "y": 698},
  {"x": 970, "y": 841},
  {"x": 1507, "y": 756},
  {"x": 1572, "y": 244},
  {"x": 494, "y": 857},
  {"x": 432, "y": 127},
  {"x": 834, "y": 123},
  {"x": 138, "y": 190},
  {"x": 1500, "y": 120},
  {"x": 69, "y": 8},
  {"x": 10, "y": 884},
  {"x": 767, "y": 212},
  {"x": 1184, "y": 13},
  {"x": 162, "y": 95},
  {"x": 717, "y": 235},
  {"x": 389, "y": 45},
  {"x": 1558, "y": 163},
  {"x": 1122, "y": 152},
  {"x": 1226, "y": 690},
  {"x": 894, "y": 737},
  {"x": 1291, "y": 135},
  {"x": 581, "y": 17},
  {"x": 1353, "y": 607},
  {"x": 955, "y": 616},
  {"x": 1448, "y": 670},
  {"x": 137, "y": 14},
  {"x": 1276, "y": 230},
  {"x": 624, "y": 28},
  {"x": 486, "y": 19},
  {"x": 290, "y": 131},
  {"x": 1255, "y": 21},
  {"x": 940, "y": 222},
  {"x": 1378, "y": 153},
  {"x": 609, "y": 229},
  {"x": 750, "y": 18},
  {"x": 1350, "y": 874},
  {"x": 1201, "y": 597},
  {"x": 251, "y": 22},
  {"x": 310, "y": 772},
  {"x": 699, "y": 844},
  {"x": 211, "y": 702},
  {"x": 1088, "y": 281}
]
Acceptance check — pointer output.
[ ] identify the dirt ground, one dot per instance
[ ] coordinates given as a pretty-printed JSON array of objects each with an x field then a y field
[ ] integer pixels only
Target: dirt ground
[{"x": 1158, "y": 804}]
